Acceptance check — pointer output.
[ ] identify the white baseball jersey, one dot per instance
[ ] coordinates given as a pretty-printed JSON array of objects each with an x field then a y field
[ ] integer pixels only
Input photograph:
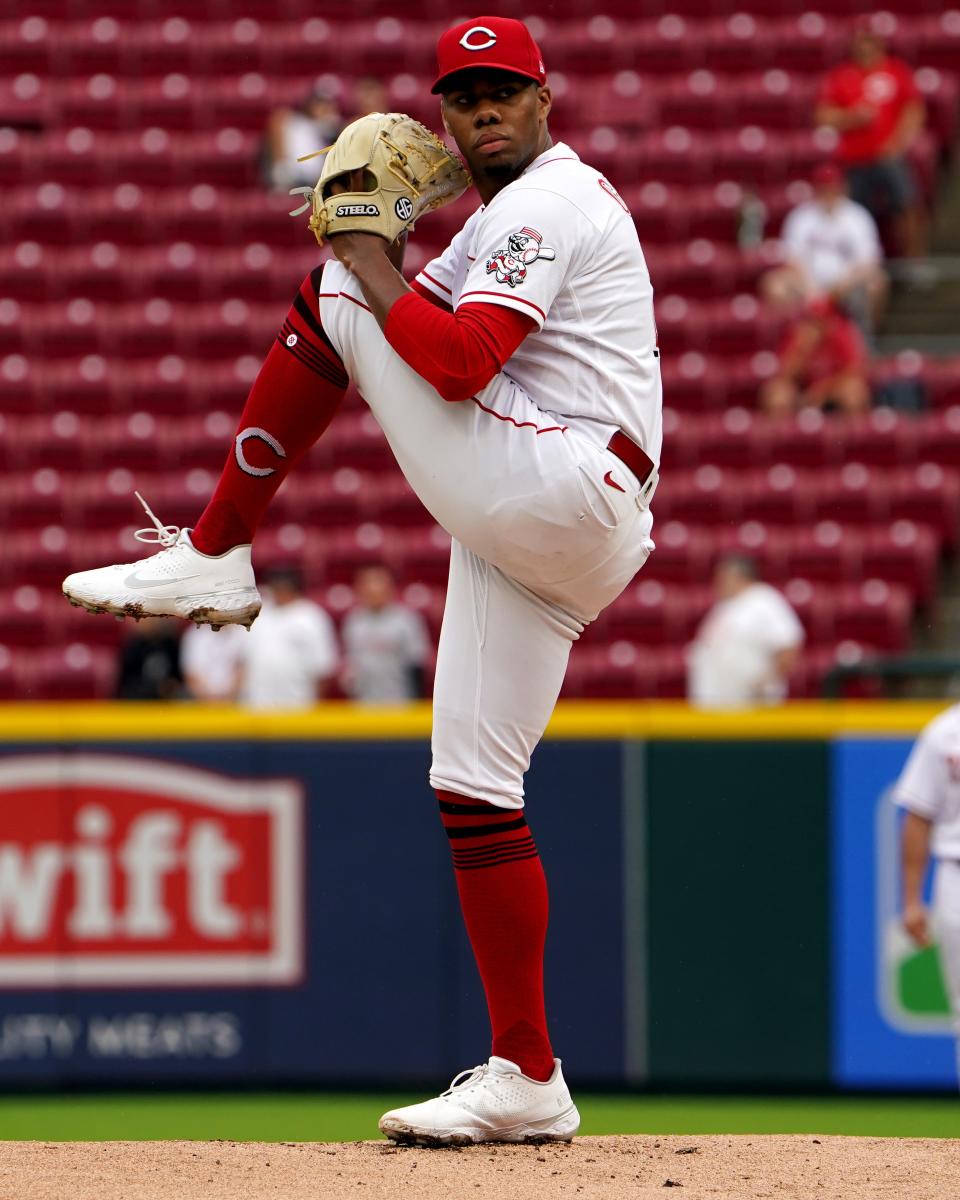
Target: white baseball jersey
[
  {"x": 559, "y": 245},
  {"x": 831, "y": 244},
  {"x": 930, "y": 783},
  {"x": 731, "y": 659},
  {"x": 213, "y": 659},
  {"x": 289, "y": 650}
]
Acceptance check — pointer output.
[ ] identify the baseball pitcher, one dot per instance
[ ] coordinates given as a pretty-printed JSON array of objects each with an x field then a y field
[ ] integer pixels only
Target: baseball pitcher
[
  {"x": 517, "y": 381},
  {"x": 929, "y": 792}
]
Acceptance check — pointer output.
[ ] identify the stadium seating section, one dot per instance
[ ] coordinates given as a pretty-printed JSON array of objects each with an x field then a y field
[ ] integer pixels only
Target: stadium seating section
[{"x": 144, "y": 272}]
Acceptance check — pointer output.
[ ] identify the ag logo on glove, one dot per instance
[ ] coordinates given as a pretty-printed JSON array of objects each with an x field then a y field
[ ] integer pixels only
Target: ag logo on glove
[{"x": 404, "y": 208}]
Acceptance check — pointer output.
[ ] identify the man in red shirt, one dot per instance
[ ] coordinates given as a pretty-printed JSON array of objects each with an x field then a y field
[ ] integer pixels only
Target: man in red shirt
[
  {"x": 874, "y": 105},
  {"x": 822, "y": 361}
]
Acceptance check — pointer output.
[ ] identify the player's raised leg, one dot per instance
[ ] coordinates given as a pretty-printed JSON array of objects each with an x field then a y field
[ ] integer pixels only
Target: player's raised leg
[
  {"x": 509, "y": 480},
  {"x": 503, "y": 653},
  {"x": 205, "y": 574}
]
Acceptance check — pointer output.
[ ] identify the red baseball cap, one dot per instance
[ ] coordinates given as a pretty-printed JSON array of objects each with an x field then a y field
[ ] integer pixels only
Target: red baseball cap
[{"x": 500, "y": 43}]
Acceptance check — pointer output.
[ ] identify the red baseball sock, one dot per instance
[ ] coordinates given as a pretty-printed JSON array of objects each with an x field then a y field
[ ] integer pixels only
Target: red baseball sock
[
  {"x": 292, "y": 401},
  {"x": 503, "y": 894}
]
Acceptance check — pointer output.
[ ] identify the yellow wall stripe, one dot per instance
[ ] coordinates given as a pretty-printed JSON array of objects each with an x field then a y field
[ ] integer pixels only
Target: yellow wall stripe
[{"x": 340, "y": 722}]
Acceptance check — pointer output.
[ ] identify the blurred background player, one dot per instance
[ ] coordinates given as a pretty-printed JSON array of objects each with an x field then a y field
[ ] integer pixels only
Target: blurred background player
[
  {"x": 929, "y": 792},
  {"x": 832, "y": 251},
  {"x": 873, "y": 103},
  {"x": 294, "y": 132},
  {"x": 212, "y": 662},
  {"x": 290, "y": 655},
  {"x": 385, "y": 643},
  {"x": 747, "y": 643}
]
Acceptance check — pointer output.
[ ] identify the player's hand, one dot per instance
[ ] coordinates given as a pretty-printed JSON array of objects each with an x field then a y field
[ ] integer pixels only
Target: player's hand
[
  {"x": 355, "y": 249},
  {"x": 917, "y": 924}
]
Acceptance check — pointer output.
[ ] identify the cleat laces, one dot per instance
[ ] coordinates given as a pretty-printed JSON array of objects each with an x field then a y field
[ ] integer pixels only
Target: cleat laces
[
  {"x": 164, "y": 535},
  {"x": 466, "y": 1079}
]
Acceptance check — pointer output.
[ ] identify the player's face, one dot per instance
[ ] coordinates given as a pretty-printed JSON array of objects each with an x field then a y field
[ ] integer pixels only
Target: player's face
[{"x": 499, "y": 122}]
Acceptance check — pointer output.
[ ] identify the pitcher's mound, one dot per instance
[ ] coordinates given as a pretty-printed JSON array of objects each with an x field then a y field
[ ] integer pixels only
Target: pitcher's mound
[{"x": 722, "y": 1168}]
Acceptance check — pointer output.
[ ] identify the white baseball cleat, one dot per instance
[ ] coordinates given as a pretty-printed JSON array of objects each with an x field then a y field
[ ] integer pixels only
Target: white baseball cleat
[
  {"x": 494, "y": 1102},
  {"x": 178, "y": 582}
]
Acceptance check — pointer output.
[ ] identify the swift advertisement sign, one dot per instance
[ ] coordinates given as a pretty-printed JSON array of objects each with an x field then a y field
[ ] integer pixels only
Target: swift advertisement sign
[{"x": 122, "y": 871}]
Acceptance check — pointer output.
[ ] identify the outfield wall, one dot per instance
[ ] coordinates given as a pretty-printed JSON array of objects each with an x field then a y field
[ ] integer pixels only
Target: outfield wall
[{"x": 196, "y": 894}]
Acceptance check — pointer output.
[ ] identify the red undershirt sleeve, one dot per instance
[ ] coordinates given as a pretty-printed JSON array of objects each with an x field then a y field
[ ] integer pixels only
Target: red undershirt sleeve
[
  {"x": 434, "y": 299},
  {"x": 459, "y": 352}
]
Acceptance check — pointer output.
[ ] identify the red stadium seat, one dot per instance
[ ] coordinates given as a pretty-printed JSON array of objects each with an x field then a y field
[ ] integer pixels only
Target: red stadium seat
[
  {"x": 740, "y": 42},
  {"x": 875, "y": 612},
  {"x": 26, "y": 100},
  {"x": 829, "y": 552},
  {"x": 705, "y": 496},
  {"x": 780, "y": 495},
  {"x": 882, "y": 438},
  {"x": 810, "y": 440},
  {"x": 815, "y": 605},
  {"x": 74, "y": 671},
  {"x": 929, "y": 495},
  {"x": 938, "y": 437},
  {"x": 904, "y": 553},
  {"x": 941, "y": 380},
  {"x": 852, "y": 495},
  {"x": 682, "y": 555},
  {"x": 647, "y": 613},
  {"x": 697, "y": 100}
]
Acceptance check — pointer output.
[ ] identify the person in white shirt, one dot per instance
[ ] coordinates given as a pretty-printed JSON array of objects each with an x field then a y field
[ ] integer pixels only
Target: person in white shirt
[
  {"x": 747, "y": 643},
  {"x": 294, "y": 132},
  {"x": 385, "y": 643},
  {"x": 832, "y": 251},
  {"x": 212, "y": 662},
  {"x": 929, "y": 792},
  {"x": 290, "y": 654}
]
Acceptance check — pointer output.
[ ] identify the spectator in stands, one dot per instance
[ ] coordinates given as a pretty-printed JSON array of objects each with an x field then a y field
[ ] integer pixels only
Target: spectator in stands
[
  {"x": 831, "y": 250},
  {"x": 822, "y": 363},
  {"x": 385, "y": 644},
  {"x": 874, "y": 104},
  {"x": 293, "y": 132},
  {"x": 290, "y": 653},
  {"x": 212, "y": 662},
  {"x": 149, "y": 667},
  {"x": 369, "y": 95},
  {"x": 747, "y": 643}
]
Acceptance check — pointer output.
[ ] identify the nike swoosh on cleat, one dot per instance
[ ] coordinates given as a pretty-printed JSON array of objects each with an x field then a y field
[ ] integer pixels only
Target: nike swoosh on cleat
[
  {"x": 611, "y": 482},
  {"x": 138, "y": 584}
]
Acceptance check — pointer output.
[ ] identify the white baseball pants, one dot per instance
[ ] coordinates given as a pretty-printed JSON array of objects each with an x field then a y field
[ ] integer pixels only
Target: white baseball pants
[
  {"x": 541, "y": 544},
  {"x": 946, "y": 929}
]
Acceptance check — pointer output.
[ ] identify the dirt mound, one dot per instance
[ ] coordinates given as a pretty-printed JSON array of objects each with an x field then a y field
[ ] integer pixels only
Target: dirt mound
[{"x": 721, "y": 1168}]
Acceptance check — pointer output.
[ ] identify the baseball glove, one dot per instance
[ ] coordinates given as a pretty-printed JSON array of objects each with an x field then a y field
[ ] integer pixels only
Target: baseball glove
[{"x": 407, "y": 170}]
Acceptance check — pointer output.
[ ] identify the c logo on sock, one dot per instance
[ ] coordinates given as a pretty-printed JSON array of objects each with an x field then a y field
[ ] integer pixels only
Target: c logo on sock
[{"x": 270, "y": 440}]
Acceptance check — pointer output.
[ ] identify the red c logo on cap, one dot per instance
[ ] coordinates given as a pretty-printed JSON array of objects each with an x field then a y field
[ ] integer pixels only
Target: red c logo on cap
[{"x": 468, "y": 44}]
